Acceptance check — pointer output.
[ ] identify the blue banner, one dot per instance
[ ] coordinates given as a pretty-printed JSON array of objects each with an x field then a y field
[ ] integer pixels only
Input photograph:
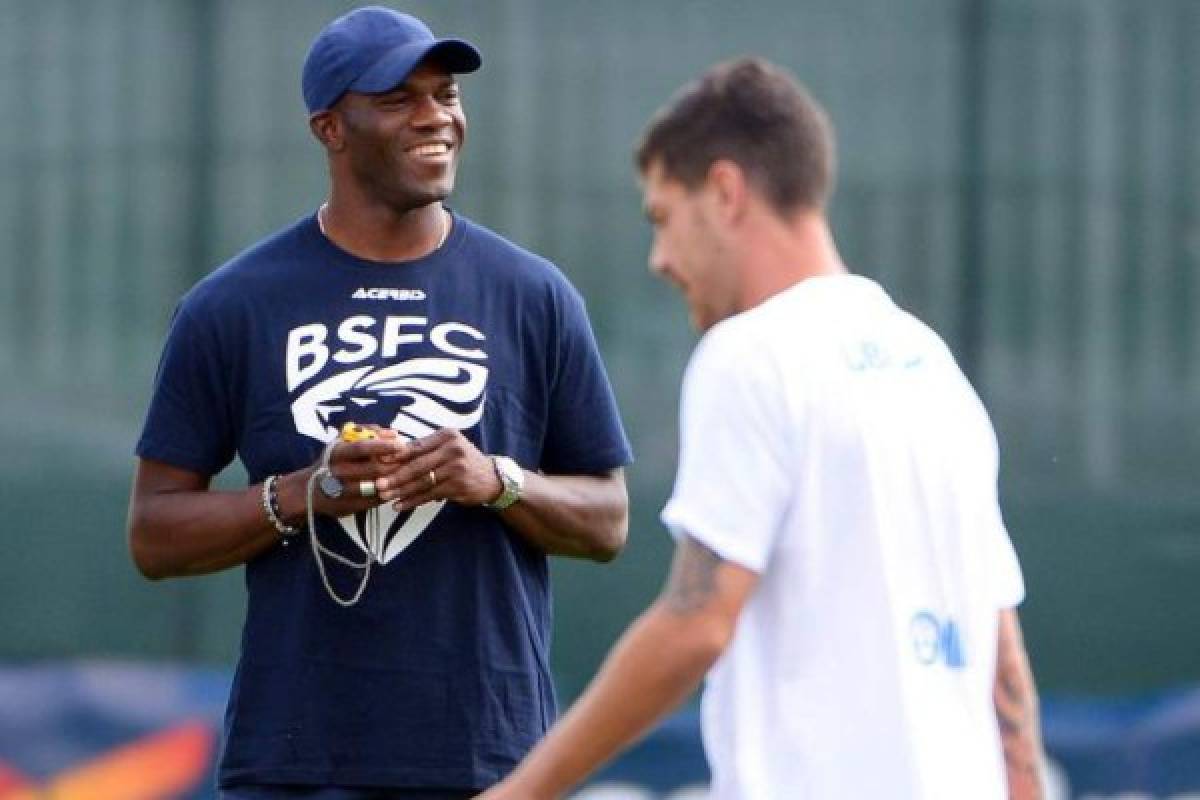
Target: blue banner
[{"x": 92, "y": 731}]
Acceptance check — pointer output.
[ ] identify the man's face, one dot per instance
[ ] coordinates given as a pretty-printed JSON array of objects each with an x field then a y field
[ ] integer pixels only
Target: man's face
[
  {"x": 688, "y": 249},
  {"x": 404, "y": 144}
]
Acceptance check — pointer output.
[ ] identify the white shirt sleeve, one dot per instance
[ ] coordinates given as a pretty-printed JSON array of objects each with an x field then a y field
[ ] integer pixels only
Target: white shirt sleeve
[
  {"x": 735, "y": 456},
  {"x": 1006, "y": 574},
  {"x": 1006, "y": 570}
]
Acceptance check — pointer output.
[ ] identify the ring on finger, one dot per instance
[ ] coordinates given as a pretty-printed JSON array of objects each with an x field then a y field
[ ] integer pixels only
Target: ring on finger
[
  {"x": 432, "y": 479},
  {"x": 367, "y": 488}
]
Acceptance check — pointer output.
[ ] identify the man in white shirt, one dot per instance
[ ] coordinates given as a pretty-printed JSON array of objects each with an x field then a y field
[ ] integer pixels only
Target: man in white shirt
[{"x": 842, "y": 571}]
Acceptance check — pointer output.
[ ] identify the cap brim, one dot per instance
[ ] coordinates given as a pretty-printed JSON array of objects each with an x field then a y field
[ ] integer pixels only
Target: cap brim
[{"x": 390, "y": 71}]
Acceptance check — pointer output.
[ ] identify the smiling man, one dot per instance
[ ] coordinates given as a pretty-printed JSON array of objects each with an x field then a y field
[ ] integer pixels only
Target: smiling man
[{"x": 398, "y": 611}]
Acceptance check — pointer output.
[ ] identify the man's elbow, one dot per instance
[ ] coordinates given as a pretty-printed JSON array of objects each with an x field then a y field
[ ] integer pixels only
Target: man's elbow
[
  {"x": 609, "y": 544},
  {"x": 146, "y": 564},
  {"x": 614, "y": 531},
  {"x": 696, "y": 640},
  {"x": 142, "y": 551},
  {"x": 713, "y": 640}
]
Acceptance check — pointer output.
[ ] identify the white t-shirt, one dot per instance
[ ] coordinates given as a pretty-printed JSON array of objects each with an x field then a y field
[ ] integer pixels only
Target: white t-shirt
[{"x": 830, "y": 443}]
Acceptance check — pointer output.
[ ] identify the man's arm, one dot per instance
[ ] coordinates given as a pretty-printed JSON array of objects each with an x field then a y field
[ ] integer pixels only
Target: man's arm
[
  {"x": 584, "y": 516},
  {"x": 653, "y": 668},
  {"x": 1017, "y": 712},
  {"x": 179, "y": 526}
]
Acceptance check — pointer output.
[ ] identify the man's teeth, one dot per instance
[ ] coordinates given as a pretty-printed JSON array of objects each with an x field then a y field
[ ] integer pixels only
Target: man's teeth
[{"x": 431, "y": 149}]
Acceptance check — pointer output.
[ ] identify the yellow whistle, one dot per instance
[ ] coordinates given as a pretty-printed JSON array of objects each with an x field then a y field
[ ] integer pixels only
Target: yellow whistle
[{"x": 353, "y": 432}]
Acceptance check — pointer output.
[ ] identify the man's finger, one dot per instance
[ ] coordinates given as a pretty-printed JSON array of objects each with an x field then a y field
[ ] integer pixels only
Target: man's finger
[
  {"x": 424, "y": 475},
  {"x": 432, "y": 442},
  {"x": 355, "y": 471},
  {"x": 366, "y": 449},
  {"x": 417, "y": 473},
  {"x": 406, "y": 503}
]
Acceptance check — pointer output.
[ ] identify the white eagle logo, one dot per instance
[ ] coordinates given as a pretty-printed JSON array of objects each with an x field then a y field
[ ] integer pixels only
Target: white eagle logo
[{"x": 427, "y": 394}]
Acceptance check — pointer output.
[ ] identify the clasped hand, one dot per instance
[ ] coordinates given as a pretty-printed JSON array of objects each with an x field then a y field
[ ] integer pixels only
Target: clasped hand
[{"x": 444, "y": 465}]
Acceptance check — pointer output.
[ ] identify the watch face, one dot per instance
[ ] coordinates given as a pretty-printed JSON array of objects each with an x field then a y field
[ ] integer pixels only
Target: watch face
[
  {"x": 331, "y": 487},
  {"x": 510, "y": 473}
]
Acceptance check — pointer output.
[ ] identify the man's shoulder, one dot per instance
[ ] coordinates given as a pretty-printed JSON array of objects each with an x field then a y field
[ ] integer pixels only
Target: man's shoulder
[
  {"x": 253, "y": 265},
  {"x": 504, "y": 254},
  {"x": 283, "y": 246},
  {"x": 728, "y": 352},
  {"x": 741, "y": 335},
  {"x": 786, "y": 333}
]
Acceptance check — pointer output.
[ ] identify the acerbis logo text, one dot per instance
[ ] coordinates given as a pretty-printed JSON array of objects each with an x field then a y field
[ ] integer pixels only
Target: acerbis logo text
[{"x": 364, "y": 293}]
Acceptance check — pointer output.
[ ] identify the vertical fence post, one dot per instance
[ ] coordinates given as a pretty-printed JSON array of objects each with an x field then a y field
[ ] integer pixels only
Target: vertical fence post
[
  {"x": 202, "y": 23},
  {"x": 973, "y": 108}
]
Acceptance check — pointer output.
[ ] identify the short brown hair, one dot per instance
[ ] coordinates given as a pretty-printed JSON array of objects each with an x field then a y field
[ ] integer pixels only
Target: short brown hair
[{"x": 756, "y": 115}]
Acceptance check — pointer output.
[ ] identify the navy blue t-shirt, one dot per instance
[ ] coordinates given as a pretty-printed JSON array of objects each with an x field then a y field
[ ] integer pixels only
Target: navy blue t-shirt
[{"x": 439, "y": 676}]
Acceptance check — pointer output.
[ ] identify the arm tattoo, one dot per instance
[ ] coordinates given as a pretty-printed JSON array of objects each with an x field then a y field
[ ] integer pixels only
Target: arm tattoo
[
  {"x": 693, "y": 578},
  {"x": 1017, "y": 716},
  {"x": 1010, "y": 704}
]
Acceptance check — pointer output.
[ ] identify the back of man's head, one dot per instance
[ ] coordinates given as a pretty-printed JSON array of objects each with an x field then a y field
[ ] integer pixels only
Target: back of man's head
[{"x": 756, "y": 115}]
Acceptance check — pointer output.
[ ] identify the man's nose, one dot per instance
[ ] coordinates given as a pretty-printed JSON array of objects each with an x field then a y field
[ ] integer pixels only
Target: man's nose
[
  {"x": 657, "y": 260},
  {"x": 430, "y": 113}
]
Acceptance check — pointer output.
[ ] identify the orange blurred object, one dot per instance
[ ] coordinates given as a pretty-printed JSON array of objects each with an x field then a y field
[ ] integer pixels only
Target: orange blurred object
[{"x": 161, "y": 766}]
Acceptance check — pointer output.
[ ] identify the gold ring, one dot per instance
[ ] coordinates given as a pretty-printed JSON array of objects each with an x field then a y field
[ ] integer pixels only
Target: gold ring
[
  {"x": 367, "y": 488},
  {"x": 432, "y": 479}
]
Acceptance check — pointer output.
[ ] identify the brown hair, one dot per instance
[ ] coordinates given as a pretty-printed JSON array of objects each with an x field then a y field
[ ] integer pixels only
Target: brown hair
[{"x": 756, "y": 115}]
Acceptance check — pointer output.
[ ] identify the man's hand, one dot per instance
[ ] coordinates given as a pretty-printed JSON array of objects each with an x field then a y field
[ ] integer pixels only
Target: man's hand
[
  {"x": 583, "y": 516},
  {"x": 444, "y": 465},
  {"x": 353, "y": 463}
]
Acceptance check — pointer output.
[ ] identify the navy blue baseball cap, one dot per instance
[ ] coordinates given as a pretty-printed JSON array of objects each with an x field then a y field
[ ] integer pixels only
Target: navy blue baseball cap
[{"x": 372, "y": 50}]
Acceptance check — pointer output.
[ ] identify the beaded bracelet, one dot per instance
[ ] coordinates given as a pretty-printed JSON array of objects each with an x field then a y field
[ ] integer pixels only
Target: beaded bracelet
[{"x": 270, "y": 506}]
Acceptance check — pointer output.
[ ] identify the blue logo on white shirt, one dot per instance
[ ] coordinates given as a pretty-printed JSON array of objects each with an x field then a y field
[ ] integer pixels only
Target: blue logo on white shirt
[
  {"x": 936, "y": 639},
  {"x": 874, "y": 356}
]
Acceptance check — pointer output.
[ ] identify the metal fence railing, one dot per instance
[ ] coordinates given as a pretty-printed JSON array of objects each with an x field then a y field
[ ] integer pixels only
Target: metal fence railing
[{"x": 1021, "y": 173}]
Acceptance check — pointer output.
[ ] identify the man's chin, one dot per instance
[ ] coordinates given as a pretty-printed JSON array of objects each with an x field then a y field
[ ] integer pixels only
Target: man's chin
[{"x": 411, "y": 201}]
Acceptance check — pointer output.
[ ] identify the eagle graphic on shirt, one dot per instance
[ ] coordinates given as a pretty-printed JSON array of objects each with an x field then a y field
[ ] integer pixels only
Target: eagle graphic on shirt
[{"x": 414, "y": 396}]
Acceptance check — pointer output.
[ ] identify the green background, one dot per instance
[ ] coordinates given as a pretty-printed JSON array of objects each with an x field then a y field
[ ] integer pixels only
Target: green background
[{"x": 1022, "y": 174}]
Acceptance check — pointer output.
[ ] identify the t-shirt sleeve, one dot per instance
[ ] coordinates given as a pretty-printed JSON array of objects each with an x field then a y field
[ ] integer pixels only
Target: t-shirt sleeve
[
  {"x": 188, "y": 423},
  {"x": 584, "y": 432},
  {"x": 731, "y": 489},
  {"x": 1005, "y": 568},
  {"x": 1008, "y": 583}
]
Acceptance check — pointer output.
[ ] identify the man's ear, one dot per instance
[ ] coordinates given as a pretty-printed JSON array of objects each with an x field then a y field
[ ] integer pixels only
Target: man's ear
[
  {"x": 327, "y": 127},
  {"x": 730, "y": 190}
]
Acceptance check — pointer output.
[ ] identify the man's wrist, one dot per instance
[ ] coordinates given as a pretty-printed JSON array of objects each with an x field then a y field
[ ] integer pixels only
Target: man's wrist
[
  {"x": 291, "y": 497},
  {"x": 268, "y": 497},
  {"x": 512, "y": 483}
]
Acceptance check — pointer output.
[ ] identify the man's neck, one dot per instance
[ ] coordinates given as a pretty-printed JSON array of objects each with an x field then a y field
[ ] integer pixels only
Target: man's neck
[
  {"x": 379, "y": 233},
  {"x": 786, "y": 252}
]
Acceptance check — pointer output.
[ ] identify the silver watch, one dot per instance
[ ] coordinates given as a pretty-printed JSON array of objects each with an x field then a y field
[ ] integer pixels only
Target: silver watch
[
  {"x": 330, "y": 485},
  {"x": 512, "y": 479}
]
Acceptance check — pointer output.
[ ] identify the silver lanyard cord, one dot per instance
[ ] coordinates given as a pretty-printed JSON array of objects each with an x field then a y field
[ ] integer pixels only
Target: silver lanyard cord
[{"x": 318, "y": 549}]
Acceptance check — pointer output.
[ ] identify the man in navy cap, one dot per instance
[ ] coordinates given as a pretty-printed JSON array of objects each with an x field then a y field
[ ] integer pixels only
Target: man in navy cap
[{"x": 398, "y": 612}]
